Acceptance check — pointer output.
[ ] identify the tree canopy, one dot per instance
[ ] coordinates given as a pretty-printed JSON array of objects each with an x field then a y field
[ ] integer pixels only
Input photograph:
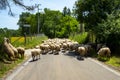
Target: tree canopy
[
  {"x": 52, "y": 23},
  {"x": 102, "y": 18},
  {"x": 92, "y": 12}
]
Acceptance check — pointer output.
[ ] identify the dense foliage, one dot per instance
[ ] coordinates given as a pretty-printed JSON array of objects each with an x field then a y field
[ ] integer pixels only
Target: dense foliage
[
  {"x": 101, "y": 18},
  {"x": 110, "y": 31},
  {"x": 52, "y": 23},
  {"x": 93, "y": 12},
  {"x": 80, "y": 38}
]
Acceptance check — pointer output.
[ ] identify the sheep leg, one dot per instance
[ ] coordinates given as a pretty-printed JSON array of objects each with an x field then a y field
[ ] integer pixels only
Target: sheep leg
[
  {"x": 39, "y": 56},
  {"x": 22, "y": 55},
  {"x": 33, "y": 58}
]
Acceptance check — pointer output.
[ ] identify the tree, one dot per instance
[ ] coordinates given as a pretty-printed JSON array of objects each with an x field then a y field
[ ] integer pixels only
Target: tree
[
  {"x": 66, "y": 11},
  {"x": 93, "y": 12},
  {"x": 110, "y": 31},
  {"x": 69, "y": 26},
  {"x": 4, "y": 4},
  {"x": 51, "y": 22},
  {"x": 23, "y": 21}
]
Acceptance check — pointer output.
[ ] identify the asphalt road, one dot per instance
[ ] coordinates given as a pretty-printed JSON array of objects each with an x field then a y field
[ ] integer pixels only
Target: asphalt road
[{"x": 64, "y": 67}]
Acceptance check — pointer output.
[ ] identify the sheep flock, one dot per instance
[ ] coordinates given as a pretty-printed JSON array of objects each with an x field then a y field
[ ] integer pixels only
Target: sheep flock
[
  {"x": 12, "y": 52},
  {"x": 56, "y": 45}
]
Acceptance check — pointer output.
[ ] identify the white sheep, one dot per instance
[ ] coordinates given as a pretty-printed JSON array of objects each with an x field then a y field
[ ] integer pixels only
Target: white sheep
[
  {"x": 104, "y": 52},
  {"x": 57, "y": 49},
  {"x": 35, "y": 53},
  {"x": 45, "y": 48},
  {"x": 37, "y": 47}
]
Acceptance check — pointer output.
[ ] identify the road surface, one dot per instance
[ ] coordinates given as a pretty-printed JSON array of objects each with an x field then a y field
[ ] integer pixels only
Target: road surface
[{"x": 64, "y": 67}]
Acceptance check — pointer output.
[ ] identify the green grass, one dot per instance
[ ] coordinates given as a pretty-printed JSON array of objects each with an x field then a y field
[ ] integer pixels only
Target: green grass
[
  {"x": 5, "y": 67},
  {"x": 30, "y": 42},
  {"x": 114, "y": 61},
  {"x": 80, "y": 38},
  {"x": 35, "y": 41}
]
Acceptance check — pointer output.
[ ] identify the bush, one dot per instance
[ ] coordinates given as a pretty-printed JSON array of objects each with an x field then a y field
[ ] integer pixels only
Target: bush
[{"x": 80, "y": 38}]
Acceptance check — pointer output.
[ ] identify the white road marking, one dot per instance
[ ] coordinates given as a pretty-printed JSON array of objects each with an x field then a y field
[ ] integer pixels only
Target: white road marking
[
  {"x": 104, "y": 66},
  {"x": 11, "y": 76}
]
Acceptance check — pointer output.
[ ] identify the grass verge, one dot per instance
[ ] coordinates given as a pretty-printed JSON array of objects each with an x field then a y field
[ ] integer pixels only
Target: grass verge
[
  {"x": 114, "y": 61},
  {"x": 5, "y": 67}
]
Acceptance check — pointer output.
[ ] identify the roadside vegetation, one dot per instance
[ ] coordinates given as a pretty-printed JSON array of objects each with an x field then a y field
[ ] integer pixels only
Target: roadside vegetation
[
  {"x": 80, "y": 38},
  {"x": 30, "y": 41},
  {"x": 6, "y": 67},
  {"x": 114, "y": 61}
]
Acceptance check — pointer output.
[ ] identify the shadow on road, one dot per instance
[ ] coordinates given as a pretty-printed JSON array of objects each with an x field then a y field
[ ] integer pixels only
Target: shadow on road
[
  {"x": 74, "y": 55},
  {"x": 80, "y": 58},
  {"x": 33, "y": 60},
  {"x": 71, "y": 54}
]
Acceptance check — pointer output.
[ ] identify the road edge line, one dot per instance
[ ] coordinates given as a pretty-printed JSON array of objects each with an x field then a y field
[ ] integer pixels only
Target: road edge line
[
  {"x": 106, "y": 67},
  {"x": 15, "y": 72}
]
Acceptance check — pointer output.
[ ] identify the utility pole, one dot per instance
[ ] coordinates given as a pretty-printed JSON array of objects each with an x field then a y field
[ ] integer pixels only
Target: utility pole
[{"x": 37, "y": 6}]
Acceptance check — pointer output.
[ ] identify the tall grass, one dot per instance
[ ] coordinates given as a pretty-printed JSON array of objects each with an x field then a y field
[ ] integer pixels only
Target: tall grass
[
  {"x": 80, "y": 38},
  {"x": 36, "y": 41},
  {"x": 30, "y": 41}
]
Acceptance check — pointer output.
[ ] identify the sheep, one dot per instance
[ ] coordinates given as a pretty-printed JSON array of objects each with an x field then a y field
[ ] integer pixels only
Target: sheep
[
  {"x": 37, "y": 47},
  {"x": 81, "y": 50},
  {"x": 44, "y": 48},
  {"x": 8, "y": 49},
  {"x": 13, "y": 48},
  {"x": 74, "y": 46},
  {"x": 35, "y": 53},
  {"x": 88, "y": 49},
  {"x": 57, "y": 49},
  {"x": 52, "y": 47},
  {"x": 104, "y": 52},
  {"x": 64, "y": 46},
  {"x": 21, "y": 51}
]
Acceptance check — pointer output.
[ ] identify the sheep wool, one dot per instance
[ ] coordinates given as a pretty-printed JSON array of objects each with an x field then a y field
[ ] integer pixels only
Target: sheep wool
[
  {"x": 35, "y": 53},
  {"x": 104, "y": 52}
]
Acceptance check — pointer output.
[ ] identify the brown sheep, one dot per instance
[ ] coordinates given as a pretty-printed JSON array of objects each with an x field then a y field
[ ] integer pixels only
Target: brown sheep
[
  {"x": 21, "y": 51},
  {"x": 13, "y": 48},
  {"x": 8, "y": 49}
]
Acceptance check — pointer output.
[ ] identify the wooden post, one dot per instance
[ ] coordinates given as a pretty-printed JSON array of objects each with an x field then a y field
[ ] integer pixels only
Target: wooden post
[{"x": 25, "y": 38}]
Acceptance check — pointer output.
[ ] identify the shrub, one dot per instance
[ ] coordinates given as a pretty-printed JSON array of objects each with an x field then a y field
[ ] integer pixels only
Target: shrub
[{"x": 80, "y": 38}]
